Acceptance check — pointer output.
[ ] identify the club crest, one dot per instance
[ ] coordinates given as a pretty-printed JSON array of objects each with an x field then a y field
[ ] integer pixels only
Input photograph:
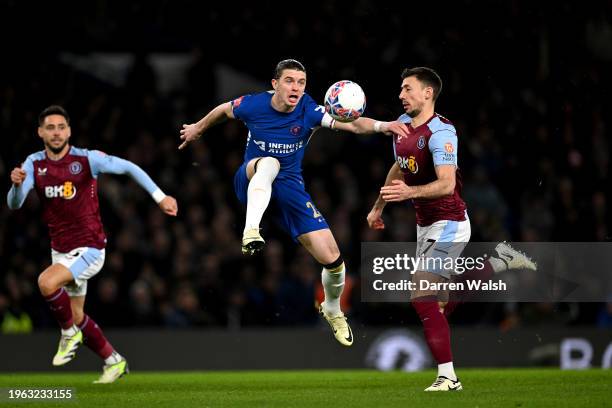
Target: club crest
[
  {"x": 295, "y": 130},
  {"x": 421, "y": 142},
  {"x": 75, "y": 167}
]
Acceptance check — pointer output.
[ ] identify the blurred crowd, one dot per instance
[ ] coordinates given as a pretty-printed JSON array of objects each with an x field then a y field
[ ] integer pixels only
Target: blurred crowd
[{"x": 526, "y": 89}]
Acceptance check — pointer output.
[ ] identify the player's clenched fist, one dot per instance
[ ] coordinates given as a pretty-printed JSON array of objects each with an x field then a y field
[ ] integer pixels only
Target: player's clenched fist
[
  {"x": 18, "y": 175},
  {"x": 375, "y": 220},
  {"x": 169, "y": 205}
]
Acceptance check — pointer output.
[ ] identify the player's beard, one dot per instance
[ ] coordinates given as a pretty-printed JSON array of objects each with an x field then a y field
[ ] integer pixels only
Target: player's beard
[
  {"x": 414, "y": 113},
  {"x": 56, "y": 150}
]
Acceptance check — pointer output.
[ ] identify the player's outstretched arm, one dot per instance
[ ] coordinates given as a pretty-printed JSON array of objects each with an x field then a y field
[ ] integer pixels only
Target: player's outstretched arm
[
  {"x": 104, "y": 163},
  {"x": 374, "y": 218},
  {"x": 23, "y": 181},
  {"x": 365, "y": 125},
  {"x": 194, "y": 131}
]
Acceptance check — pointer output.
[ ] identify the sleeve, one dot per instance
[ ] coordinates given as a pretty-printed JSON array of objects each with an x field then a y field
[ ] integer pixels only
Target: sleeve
[
  {"x": 404, "y": 118},
  {"x": 100, "y": 162},
  {"x": 316, "y": 115},
  {"x": 240, "y": 107},
  {"x": 443, "y": 147},
  {"x": 17, "y": 195}
]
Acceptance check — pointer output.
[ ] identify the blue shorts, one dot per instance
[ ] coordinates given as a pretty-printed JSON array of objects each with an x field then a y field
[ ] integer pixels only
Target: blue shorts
[{"x": 290, "y": 204}]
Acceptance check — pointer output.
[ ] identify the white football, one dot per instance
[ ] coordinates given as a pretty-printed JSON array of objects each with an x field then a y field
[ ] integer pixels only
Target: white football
[{"x": 345, "y": 101}]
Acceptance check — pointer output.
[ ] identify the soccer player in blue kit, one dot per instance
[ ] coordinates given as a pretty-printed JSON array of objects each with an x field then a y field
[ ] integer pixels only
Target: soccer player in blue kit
[{"x": 280, "y": 124}]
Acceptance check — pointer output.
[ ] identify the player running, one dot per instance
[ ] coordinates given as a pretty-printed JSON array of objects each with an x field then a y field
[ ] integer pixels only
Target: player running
[
  {"x": 65, "y": 179},
  {"x": 426, "y": 172},
  {"x": 280, "y": 124}
]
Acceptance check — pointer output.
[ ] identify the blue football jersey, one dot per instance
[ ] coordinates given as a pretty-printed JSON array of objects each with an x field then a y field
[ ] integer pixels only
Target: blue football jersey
[{"x": 282, "y": 135}]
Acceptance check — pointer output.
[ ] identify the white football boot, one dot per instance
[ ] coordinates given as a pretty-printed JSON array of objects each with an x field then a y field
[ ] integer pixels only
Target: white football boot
[
  {"x": 443, "y": 383},
  {"x": 514, "y": 259},
  {"x": 340, "y": 327}
]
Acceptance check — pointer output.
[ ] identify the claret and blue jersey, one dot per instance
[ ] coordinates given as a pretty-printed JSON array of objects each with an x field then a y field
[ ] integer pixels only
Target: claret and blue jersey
[
  {"x": 68, "y": 190},
  {"x": 434, "y": 143}
]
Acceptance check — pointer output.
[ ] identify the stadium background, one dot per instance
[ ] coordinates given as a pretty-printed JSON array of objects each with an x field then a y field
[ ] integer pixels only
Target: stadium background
[{"x": 525, "y": 84}]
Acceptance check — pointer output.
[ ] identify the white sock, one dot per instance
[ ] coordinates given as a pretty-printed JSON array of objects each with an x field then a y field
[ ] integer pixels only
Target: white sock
[
  {"x": 114, "y": 358},
  {"x": 497, "y": 264},
  {"x": 70, "y": 331},
  {"x": 447, "y": 370},
  {"x": 333, "y": 285},
  {"x": 260, "y": 190}
]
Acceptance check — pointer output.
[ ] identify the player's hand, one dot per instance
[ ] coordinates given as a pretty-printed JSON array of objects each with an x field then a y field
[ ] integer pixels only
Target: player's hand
[
  {"x": 169, "y": 206},
  {"x": 395, "y": 127},
  {"x": 18, "y": 175},
  {"x": 375, "y": 220},
  {"x": 189, "y": 133},
  {"x": 397, "y": 191}
]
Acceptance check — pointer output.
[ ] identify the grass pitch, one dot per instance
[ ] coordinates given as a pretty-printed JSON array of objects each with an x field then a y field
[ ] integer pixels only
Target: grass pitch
[{"x": 347, "y": 389}]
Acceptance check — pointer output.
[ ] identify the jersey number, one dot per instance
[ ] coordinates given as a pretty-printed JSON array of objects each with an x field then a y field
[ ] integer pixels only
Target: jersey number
[
  {"x": 430, "y": 243},
  {"x": 315, "y": 213}
]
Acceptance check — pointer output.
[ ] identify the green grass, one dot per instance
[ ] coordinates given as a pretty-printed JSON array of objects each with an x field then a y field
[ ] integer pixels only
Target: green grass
[{"x": 329, "y": 389}]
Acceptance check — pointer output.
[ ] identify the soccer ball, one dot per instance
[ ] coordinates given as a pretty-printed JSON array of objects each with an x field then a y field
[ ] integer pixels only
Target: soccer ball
[{"x": 345, "y": 101}]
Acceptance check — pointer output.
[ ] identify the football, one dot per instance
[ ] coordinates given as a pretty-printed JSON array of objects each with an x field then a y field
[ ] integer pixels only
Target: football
[{"x": 345, "y": 101}]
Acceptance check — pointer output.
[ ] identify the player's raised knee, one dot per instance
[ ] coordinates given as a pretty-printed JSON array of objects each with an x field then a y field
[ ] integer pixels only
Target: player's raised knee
[
  {"x": 270, "y": 163},
  {"x": 46, "y": 283},
  {"x": 263, "y": 165}
]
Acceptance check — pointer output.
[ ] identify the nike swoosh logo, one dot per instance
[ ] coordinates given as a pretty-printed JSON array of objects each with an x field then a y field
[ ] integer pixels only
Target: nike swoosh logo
[
  {"x": 350, "y": 336},
  {"x": 453, "y": 388}
]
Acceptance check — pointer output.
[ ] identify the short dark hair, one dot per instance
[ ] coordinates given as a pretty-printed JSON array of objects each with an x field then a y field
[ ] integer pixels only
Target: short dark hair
[
  {"x": 53, "y": 110},
  {"x": 427, "y": 76},
  {"x": 288, "y": 64}
]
